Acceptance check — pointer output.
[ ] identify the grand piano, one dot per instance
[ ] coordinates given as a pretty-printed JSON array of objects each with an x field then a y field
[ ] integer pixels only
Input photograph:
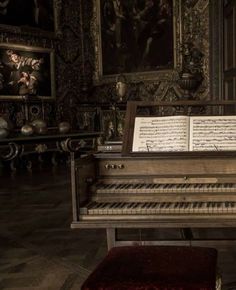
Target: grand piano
[{"x": 155, "y": 190}]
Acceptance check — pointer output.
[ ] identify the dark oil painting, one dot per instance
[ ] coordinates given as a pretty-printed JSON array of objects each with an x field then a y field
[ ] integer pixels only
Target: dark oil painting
[
  {"x": 136, "y": 35},
  {"x": 28, "y": 13},
  {"x": 26, "y": 72}
]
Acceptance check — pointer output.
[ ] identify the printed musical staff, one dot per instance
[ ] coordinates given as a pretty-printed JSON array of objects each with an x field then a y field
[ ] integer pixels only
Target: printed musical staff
[
  {"x": 152, "y": 134},
  {"x": 213, "y": 133},
  {"x": 183, "y": 133}
]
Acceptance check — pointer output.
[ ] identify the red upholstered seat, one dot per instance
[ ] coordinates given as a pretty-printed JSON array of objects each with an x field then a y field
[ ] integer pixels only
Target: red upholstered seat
[{"x": 155, "y": 267}]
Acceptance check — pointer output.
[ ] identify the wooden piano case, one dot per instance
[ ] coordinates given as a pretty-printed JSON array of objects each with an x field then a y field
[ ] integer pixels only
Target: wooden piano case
[{"x": 155, "y": 190}]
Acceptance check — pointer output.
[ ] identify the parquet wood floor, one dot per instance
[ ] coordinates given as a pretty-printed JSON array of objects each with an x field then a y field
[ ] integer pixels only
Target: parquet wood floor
[{"x": 39, "y": 251}]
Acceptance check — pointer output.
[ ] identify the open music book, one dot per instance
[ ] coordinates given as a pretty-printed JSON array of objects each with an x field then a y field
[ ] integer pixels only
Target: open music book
[{"x": 184, "y": 133}]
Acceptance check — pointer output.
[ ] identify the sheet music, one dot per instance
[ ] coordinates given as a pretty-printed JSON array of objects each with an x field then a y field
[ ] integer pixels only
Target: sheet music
[
  {"x": 152, "y": 134},
  {"x": 213, "y": 133}
]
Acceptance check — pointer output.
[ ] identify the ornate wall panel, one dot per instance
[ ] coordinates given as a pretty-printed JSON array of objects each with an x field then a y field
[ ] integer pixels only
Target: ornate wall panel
[
  {"x": 76, "y": 53},
  {"x": 196, "y": 31},
  {"x": 22, "y": 111},
  {"x": 69, "y": 62},
  {"x": 216, "y": 44},
  {"x": 193, "y": 21}
]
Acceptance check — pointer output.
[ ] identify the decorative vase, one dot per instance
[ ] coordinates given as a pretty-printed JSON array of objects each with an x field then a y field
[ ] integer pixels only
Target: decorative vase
[
  {"x": 187, "y": 83},
  {"x": 121, "y": 88}
]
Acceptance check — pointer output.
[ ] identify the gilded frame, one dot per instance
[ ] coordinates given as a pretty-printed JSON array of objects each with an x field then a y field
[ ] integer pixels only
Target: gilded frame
[
  {"x": 37, "y": 30},
  {"x": 99, "y": 77},
  {"x": 38, "y": 62}
]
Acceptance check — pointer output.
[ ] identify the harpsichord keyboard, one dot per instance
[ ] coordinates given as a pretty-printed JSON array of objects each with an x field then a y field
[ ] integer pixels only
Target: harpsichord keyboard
[{"x": 113, "y": 190}]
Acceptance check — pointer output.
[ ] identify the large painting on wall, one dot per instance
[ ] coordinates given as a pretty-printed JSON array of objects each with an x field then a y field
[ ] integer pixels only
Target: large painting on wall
[
  {"x": 38, "y": 15},
  {"x": 26, "y": 71},
  {"x": 136, "y": 36}
]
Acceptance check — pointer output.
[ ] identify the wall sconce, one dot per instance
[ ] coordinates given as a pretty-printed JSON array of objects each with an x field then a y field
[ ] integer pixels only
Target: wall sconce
[
  {"x": 121, "y": 87},
  {"x": 191, "y": 75},
  {"x": 187, "y": 83}
]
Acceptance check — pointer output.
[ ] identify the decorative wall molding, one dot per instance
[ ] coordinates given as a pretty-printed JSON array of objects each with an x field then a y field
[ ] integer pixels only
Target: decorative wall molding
[{"x": 76, "y": 61}]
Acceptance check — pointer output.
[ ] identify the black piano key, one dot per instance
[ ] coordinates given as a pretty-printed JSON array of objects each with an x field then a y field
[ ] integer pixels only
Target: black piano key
[
  {"x": 114, "y": 205},
  {"x": 130, "y": 204},
  {"x": 143, "y": 205},
  {"x": 176, "y": 204},
  {"x": 120, "y": 186},
  {"x": 150, "y": 205}
]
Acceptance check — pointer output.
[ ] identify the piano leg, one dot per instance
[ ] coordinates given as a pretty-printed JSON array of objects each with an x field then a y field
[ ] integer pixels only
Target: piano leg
[{"x": 111, "y": 238}]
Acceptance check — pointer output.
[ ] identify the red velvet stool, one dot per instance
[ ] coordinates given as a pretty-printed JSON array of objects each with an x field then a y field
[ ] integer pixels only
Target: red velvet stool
[{"x": 155, "y": 267}]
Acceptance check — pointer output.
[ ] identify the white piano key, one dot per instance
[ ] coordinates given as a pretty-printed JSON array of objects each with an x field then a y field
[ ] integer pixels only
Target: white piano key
[
  {"x": 155, "y": 208},
  {"x": 133, "y": 208}
]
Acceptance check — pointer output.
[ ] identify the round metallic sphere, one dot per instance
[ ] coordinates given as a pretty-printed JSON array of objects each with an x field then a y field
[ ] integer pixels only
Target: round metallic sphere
[
  {"x": 64, "y": 127},
  {"x": 39, "y": 123},
  {"x": 5, "y": 123},
  {"x": 27, "y": 130},
  {"x": 41, "y": 130},
  {"x": 3, "y": 133},
  {"x": 39, "y": 126}
]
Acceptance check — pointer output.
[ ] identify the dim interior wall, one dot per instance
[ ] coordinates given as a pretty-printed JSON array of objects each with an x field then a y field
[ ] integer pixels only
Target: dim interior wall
[{"x": 78, "y": 99}]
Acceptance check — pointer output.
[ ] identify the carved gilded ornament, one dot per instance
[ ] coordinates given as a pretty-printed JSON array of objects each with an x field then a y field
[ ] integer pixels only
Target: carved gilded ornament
[
  {"x": 196, "y": 31},
  {"x": 41, "y": 148}
]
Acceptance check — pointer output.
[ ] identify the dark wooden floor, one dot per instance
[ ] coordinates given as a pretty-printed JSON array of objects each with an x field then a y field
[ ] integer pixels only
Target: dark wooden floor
[{"x": 39, "y": 251}]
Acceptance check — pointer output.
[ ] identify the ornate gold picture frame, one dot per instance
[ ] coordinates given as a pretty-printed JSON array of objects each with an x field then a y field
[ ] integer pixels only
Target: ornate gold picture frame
[
  {"x": 128, "y": 35},
  {"x": 31, "y": 17},
  {"x": 26, "y": 72}
]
